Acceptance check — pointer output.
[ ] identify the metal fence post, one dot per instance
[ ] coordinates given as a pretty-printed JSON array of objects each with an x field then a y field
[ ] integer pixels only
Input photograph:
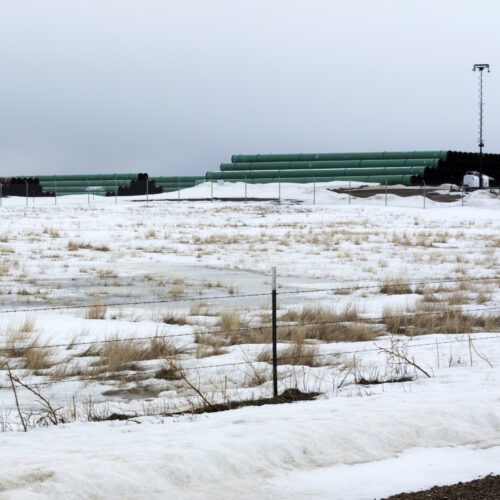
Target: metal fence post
[{"x": 274, "y": 337}]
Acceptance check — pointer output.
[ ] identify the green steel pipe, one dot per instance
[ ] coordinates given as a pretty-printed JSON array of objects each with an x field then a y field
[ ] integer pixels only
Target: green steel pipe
[
  {"x": 46, "y": 184},
  {"x": 391, "y": 179},
  {"x": 384, "y": 155},
  {"x": 301, "y": 165},
  {"x": 84, "y": 178},
  {"x": 188, "y": 178},
  {"x": 73, "y": 189},
  {"x": 314, "y": 173}
]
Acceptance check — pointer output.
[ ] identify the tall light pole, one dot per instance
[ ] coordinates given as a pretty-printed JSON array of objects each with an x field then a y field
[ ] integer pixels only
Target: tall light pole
[{"x": 481, "y": 68}]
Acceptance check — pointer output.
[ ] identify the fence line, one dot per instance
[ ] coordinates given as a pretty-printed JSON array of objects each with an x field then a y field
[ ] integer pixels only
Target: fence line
[
  {"x": 242, "y": 363},
  {"x": 251, "y": 295},
  {"x": 367, "y": 320}
]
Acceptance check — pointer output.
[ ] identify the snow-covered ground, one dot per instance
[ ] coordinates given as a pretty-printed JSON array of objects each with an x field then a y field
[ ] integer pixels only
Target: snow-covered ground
[{"x": 80, "y": 274}]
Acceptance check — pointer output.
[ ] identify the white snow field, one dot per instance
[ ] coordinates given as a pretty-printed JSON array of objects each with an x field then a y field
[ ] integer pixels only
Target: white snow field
[{"x": 149, "y": 309}]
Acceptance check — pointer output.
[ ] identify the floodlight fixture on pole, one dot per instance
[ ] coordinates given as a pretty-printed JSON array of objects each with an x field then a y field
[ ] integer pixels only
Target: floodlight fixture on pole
[{"x": 481, "y": 68}]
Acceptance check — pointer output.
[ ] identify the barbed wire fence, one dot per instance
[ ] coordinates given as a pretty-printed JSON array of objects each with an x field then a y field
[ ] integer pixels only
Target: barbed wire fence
[{"x": 263, "y": 332}]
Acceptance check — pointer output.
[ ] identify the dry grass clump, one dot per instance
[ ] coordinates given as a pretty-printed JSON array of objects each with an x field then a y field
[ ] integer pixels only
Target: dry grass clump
[
  {"x": 119, "y": 355},
  {"x": 395, "y": 287},
  {"x": 425, "y": 318},
  {"x": 484, "y": 295},
  {"x": 96, "y": 309},
  {"x": 233, "y": 329},
  {"x": 177, "y": 290},
  {"x": 253, "y": 335},
  {"x": 21, "y": 344},
  {"x": 73, "y": 246},
  {"x": 17, "y": 338},
  {"x": 293, "y": 354},
  {"x": 327, "y": 325},
  {"x": 171, "y": 318},
  {"x": 210, "y": 344},
  {"x": 230, "y": 320},
  {"x": 457, "y": 299},
  {"x": 36, "y": 357}
]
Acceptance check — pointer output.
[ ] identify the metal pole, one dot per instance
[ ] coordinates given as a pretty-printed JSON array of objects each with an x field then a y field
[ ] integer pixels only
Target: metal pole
[
  {"x": 274, "y": 339},
  {"x": 480, "y": 68}
]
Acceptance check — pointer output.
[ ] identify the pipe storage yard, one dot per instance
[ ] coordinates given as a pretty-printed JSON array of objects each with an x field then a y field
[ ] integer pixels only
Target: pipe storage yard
[{"x": 403, "y": 167}]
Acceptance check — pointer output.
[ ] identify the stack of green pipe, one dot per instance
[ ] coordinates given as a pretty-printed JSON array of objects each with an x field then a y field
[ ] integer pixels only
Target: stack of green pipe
[
  {"x": 390, "y": 179},
  {"x": 384, "y": 155},
  {"x": 98, "y": 184},
  {"x": 315, "y": 173},
  {"x": 348, "y": 164},
  {"x": 406, "y": 167}
]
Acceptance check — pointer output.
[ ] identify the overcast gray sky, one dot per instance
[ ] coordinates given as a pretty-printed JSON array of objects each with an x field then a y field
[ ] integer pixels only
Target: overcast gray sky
[{"x": 174, "y": 87}]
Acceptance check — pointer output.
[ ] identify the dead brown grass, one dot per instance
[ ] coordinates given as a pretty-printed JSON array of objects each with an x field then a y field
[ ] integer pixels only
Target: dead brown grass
[
  {"x": 395, "y": 287},
  {"x": 425, "y": 318},
  {"x": 36, "y": 357},
  {"x": 171, "y": 318},
  {"x": 96, "y": 309},
  {"x": 293, "y": 354},
  {"x": 119, "y": 355},
  {"x": 327, "y": 325}
]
